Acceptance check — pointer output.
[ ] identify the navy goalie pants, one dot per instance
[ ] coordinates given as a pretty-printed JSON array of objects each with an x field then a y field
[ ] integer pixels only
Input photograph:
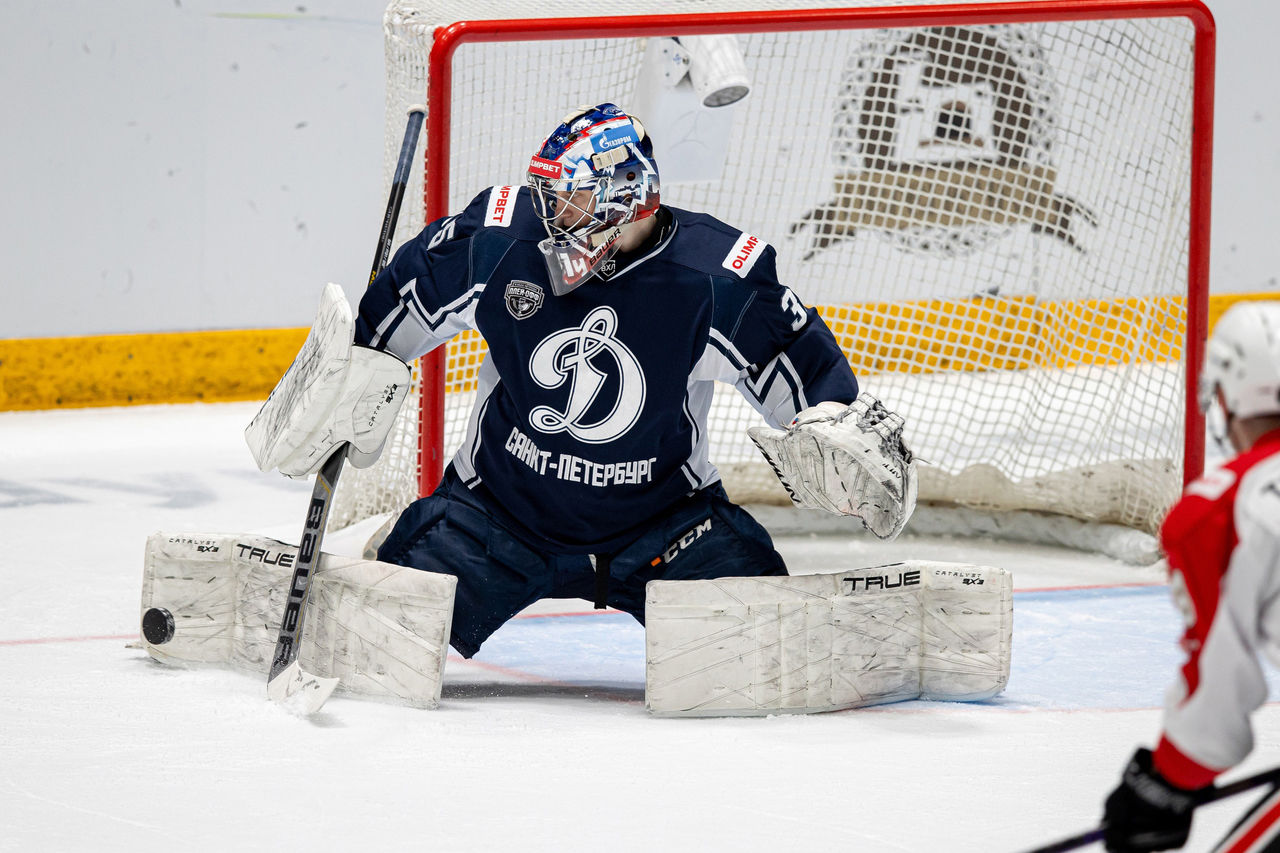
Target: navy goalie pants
[{"x": 500, "y": 573}]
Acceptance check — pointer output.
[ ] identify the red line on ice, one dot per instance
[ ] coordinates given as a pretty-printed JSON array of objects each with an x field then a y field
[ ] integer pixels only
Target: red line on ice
[{"x": 39, "y": 640}]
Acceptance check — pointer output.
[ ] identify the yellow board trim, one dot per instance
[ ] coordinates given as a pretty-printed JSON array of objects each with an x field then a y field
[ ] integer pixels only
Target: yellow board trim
[
  {"x": 219, "y": 366},
  {"x": 119, "y": 370},
  {"x": 1006, "y": 333}
]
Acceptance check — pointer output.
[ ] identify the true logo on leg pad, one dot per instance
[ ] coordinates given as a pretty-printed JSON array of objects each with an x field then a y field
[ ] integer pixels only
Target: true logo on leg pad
[{"x": 888, "y": 580}]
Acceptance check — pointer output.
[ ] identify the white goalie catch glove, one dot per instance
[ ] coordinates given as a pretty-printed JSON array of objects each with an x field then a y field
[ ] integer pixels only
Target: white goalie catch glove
[
  {"x": 334, "y": 393},
  {"x": 847, "y": 460}
]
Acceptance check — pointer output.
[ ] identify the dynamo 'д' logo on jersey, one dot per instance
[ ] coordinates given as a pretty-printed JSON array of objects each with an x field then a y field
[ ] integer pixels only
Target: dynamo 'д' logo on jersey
[{"x": 591, "y": 362}]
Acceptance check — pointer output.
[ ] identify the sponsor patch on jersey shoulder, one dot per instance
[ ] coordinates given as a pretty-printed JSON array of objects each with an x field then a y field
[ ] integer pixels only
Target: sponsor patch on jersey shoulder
[
  {"x": 742, "y": 257},
  {"x": 502, "y": 202}
]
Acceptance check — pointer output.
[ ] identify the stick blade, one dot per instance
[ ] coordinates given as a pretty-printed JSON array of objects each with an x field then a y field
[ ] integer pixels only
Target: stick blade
[{"x": 300, "y": 692}]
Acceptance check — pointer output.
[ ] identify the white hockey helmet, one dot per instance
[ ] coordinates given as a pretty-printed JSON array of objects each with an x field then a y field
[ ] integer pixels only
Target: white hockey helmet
[
  {"x": 592, "y": 175},
  {"x": 1242, "y": 359}
]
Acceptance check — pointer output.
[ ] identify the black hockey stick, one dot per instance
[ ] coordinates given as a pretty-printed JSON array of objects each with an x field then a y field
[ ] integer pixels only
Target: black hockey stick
[
  {"x": 286, "y": 681},
  {"x": 1208, "y": 795}
]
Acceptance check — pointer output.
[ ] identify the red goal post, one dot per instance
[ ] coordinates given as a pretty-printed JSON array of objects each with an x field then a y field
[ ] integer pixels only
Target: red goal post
[{"x": 1159, "y": 324}]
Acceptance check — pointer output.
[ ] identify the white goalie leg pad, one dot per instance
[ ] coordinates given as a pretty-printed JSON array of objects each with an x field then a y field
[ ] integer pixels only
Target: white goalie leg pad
[
  {"x": 847, "y": 460},
  {"x": 380, "y": 628},
  {"x": 332, "y": 393},
  {"x": 755, "y": 646}
]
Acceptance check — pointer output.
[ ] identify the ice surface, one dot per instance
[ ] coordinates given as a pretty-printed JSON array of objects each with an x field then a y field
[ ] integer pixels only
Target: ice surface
[{"x": 542, "y": 742}]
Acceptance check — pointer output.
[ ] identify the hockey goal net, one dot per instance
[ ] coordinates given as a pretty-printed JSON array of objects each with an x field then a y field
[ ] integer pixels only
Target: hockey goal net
[{"x": 1001, "y": 210}]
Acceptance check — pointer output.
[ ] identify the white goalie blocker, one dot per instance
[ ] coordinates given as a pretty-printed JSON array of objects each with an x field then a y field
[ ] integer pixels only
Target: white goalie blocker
[
  {"x": 381, "y": 629},
  {"x": 827, "y": 642},
  {"x": 333, "y": 393}
]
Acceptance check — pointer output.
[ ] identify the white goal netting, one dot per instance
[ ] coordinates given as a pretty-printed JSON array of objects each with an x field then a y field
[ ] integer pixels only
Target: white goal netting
[{"x": 994, "y": 219}]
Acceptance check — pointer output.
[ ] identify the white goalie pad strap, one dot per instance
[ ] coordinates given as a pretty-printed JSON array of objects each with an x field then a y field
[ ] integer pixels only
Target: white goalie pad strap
[
  {"x": 755, "y": 646},
  {"x": 847, "y": 460},
  {"x": 333, "y": 393},
  {"x": 383, "y": 630}
]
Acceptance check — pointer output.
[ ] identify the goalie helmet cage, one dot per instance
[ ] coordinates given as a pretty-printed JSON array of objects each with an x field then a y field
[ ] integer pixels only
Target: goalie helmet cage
[{"x": 1001, "y": 209}]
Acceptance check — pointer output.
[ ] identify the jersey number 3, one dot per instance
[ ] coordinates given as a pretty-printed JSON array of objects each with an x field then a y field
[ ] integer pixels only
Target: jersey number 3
[{"x": 792, "y": 305}]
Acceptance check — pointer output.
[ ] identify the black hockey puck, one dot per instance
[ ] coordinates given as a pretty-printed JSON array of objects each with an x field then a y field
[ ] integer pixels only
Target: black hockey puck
[{"x": 157, "y": 626}]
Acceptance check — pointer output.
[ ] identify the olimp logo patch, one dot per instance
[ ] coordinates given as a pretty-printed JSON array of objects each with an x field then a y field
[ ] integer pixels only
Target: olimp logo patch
[
  {"x": 523, "y": 298},
  {"x": 942, "y": 141}
]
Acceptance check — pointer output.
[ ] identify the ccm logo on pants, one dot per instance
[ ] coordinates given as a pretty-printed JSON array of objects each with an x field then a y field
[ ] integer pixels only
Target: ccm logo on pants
[{"x": 682, "y": 542}]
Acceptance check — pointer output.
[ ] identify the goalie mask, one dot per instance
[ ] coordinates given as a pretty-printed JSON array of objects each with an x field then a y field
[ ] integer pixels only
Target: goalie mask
[
  {"x": 592, "y": 175},
  {"x": 1242, "y": 360}
]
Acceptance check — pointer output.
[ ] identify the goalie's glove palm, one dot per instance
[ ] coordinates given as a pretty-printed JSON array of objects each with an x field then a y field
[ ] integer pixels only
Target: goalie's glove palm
[{"x": 847, "y": 460}]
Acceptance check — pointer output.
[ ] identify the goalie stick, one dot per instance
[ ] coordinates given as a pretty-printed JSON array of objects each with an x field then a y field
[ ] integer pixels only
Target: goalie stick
[
  {"x": 287, "y": 683},
  {"x": 1209, "y": 795}
]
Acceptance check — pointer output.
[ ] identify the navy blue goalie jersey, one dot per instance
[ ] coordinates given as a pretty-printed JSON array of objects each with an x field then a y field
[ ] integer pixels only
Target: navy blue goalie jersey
[{"x": 591, "y": 410}]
